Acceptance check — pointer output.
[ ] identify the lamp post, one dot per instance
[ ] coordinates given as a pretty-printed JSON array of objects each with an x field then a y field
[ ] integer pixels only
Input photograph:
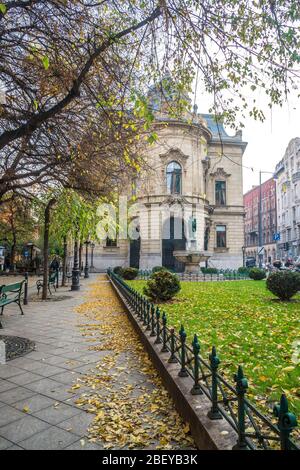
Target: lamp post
[
  {"x": 86, "y": 268},
  {"x": 75, "y": 271},
  {"x": 92, "y": 255}
]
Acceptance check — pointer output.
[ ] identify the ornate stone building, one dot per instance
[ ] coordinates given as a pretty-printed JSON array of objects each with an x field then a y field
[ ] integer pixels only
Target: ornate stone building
[
  {"x": 189, "y": 195},
  {"x": 287, "y": 174}
]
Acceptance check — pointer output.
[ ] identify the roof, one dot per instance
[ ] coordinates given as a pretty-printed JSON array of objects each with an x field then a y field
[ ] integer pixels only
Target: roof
[{"x": 218, "y": 131}]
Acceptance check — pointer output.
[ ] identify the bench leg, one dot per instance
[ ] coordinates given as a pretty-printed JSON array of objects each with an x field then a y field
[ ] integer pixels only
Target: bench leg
[
  {"x": 1, "y": 326},
  {"x": 49, "y": 289},
  {"x": 19, "y": 303},
  {"x": 2, "y": 310}
]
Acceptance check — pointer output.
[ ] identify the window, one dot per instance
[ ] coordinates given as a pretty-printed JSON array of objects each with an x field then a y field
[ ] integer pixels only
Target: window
[
  {"x": 174, "y": 177},
  {"x": 220, "y": 193},
  {"x": 221, "y": 236},
  {"x": 111, "y": 242}
]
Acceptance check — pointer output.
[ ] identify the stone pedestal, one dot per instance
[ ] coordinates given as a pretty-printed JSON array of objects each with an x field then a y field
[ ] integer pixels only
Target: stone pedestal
[{"x": 192, "y": 259}]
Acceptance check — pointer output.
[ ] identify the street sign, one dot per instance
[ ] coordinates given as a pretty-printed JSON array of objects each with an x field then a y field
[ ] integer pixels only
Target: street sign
[
  {"x": 260, "y": 250},
  {"x": 276, "y": 237}
]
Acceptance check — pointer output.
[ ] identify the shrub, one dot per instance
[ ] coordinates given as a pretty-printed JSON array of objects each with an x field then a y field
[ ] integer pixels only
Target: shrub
[
  {"x": 118, "y": 270},
  {"x": 284, "y": 284},
  {"x": 257, "y": 274},
  {"x": 157, "y": 269},
  {"x": 162, "y": 286},
  {"x": 130, "y": 273},
  {"x": 209, "y": 270},
  {"x": 243, "y": 270}
]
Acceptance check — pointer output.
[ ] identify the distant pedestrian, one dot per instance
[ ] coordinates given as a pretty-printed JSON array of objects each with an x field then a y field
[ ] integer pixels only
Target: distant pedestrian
[{"x": 54, "y": 266}]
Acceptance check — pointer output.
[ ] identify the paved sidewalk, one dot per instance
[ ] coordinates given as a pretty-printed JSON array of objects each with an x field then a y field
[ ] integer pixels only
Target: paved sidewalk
[
  {"x": 89, "y": 359},
  {"x": 37, "y": 409}
]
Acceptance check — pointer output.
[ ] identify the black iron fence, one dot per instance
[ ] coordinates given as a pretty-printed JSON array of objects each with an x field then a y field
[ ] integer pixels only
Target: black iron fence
[
  {"x": 219, "y": 275},
  {"x": 254, "y": 429}
]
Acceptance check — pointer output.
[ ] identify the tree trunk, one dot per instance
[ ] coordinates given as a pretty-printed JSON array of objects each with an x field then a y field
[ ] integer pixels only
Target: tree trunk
[
  {"x": 64, "y": 266},
  {"x": 13, "y": 252},
  {"x": 46, "y": 246},
  {"x": 80, "y": 257}
]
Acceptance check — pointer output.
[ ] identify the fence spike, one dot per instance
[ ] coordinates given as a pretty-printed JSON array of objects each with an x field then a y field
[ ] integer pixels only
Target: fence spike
[
  {"x": 241, "y": 388},
  {"x": 172, "y": 358},
  {"x": 183, "y": 371},
  {"x": 286, "y": 422},
  {"x": 196, "y": 389},
  {"x": 158, "y": 340},
  {"x": 214, "y": 412}
]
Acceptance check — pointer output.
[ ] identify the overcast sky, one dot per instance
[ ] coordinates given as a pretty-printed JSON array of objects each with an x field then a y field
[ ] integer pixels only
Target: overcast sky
[{"x": 267, "y": 141}]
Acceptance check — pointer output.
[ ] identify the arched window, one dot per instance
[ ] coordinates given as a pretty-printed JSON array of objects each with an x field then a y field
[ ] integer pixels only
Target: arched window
[{"x": 174, "y": 178}]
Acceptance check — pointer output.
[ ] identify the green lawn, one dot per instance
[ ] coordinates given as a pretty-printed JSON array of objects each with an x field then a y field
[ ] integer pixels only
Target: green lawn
[{"x": 248, "y": 327}]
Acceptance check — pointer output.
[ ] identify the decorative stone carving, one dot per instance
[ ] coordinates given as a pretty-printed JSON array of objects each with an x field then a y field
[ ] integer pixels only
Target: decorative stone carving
[
  {"x": 175, "y": 199},
  {"x": 220, "y": 173},
  {"x": 174, "y": 154}
]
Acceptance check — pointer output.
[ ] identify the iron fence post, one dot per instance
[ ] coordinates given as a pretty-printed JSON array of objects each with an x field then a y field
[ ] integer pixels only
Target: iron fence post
[
  {"x": 139, "y": 303},
  {"x": 164, "y": 332},
  {"x": 148, "y": 316},
  {"x": 241, "y": 387},
  {"x": 152, "y": 320},
  {"x": 158, "y": 340},
  {"x": 183, "y": 371},
  {"x": 286, "y": 422},
  {"x": 25, "y": 300},
  {"x": 144, "y": 311},
  {"x": 214, "y": 412},
  {"x": 172, "y": 358},
  {"x": 196, "y": 389}
]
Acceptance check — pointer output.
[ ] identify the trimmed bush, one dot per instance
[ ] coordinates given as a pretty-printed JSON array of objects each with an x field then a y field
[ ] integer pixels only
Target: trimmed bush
[
  {"x": 209, "y": 270},
  {"x": 118, "y": 270},
  {"x": 162, "y": 286},
  {"x": 130, "y": 273},
  {"x": 157, "y": 269},
  {"x": 257, "y": 274},
  {"x": 243, "y": 270},
  {"x": 284, "y": 284}
]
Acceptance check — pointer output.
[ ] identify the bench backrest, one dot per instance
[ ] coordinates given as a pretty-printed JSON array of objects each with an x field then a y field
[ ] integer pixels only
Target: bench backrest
[
  {"x": 11, "y": 291},
  {"x": 16, "y": 287}
]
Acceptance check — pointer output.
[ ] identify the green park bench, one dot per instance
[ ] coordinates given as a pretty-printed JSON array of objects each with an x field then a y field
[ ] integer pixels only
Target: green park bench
[
  {"x": 51, "y": 282},
  {"x": 11, "y": 293}
]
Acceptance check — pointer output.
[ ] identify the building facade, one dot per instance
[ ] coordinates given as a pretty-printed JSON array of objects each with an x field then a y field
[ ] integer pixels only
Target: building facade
[
  {"x": 287, "y": 174},
  {"x": 188, "y": 195},
  {"x": 268, "y": 219}
]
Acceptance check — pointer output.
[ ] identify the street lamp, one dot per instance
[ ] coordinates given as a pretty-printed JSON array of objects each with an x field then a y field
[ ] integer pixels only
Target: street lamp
[
  {"x": 75, "y": 271},
  {"x": 243, "y": 250},
  {"x": 92, "y": 255},
  {"x": 86, "y": 268}
]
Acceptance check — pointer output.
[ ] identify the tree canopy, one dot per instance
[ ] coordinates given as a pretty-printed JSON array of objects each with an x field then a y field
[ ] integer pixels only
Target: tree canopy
[{"x": 75, "y": 74}]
